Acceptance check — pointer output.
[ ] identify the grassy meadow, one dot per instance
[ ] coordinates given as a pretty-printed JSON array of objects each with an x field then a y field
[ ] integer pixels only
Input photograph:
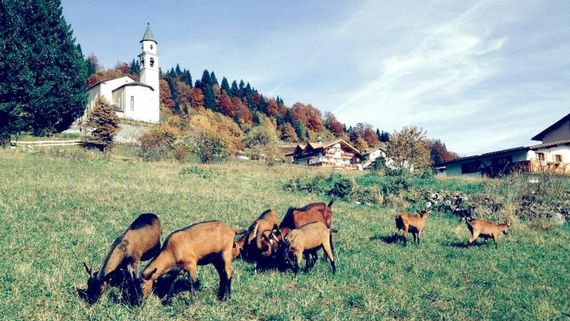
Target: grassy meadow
[{"x": 58, "y": 212}]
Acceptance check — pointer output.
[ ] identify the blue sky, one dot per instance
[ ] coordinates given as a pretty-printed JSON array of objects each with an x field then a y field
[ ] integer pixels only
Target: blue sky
[{"x": 480, "y": 75}]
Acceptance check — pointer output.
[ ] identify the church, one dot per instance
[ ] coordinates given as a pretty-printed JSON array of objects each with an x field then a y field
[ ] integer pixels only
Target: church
[{"x": 136, "y": 100}]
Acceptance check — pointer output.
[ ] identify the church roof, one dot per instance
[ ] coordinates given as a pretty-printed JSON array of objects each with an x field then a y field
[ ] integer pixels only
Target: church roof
[
  {"x": 148, "y": 36},
  {"x": 135, "y": 83}
]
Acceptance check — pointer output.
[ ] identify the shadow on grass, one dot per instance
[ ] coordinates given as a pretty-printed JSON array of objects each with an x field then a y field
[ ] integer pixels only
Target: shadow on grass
[
  {"x": 180, "y": 283},
  {"x": 388, "y": 239},
  {"x": 463, "y": 244}
]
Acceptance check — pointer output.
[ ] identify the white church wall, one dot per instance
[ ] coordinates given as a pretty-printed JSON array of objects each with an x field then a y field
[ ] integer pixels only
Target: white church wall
[{"x": 140, "y": 104}]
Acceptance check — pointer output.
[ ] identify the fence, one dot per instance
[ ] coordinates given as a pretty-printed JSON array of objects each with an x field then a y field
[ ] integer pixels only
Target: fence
[{"x": 48, "y": 143}]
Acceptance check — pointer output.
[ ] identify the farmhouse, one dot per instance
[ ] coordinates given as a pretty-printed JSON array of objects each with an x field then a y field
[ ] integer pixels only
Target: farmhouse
[
  {"x": 369, "y": 156},
  {"x": 552, "y": 155},
  {"x": 337, "y": 154},
  {"x": 132, "y": 99}
]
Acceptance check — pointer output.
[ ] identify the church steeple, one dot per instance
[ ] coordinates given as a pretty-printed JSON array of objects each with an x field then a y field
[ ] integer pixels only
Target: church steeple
[
  {"x": 149, "y": 59},
  {"x": 148, "y": 36}
]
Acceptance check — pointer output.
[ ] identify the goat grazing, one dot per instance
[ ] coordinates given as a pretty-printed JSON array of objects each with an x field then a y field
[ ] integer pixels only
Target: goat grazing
[
  {"x": 485, "y": 229},
  {"x": 306, "y": 241},
  {"x": 411, "y": 223},
  {"x": 297, "y": 217},
  {"x": 199, "y": 244},
  {"x": 140, "y": 242},
  {"x": 260, "y": 231}
]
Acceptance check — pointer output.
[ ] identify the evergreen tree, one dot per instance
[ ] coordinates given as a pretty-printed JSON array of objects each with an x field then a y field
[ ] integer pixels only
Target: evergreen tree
[
  {"x": 256, "y": 119},
  {"x": 186, "y": 77},
  {"x": 213, "y": 80},
  {"x": 234, "y": 91},
  {"x": 42, "y": 70},
  {"x": 225, "y": 86},
  {"x": 134, "y": 68},
  {"x": 262, "y": 106},
  {"x": 241, "y": 89},
  {"x": 209, "y": 98},
  {"x": 177, "y": 71},
  {"x": 300, "y": 130}
]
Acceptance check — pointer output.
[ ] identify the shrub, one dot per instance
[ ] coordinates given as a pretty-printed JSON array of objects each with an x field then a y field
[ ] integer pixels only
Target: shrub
[
  {"x": 209, "y": 145},
  {"x": 159, "y": 142}
]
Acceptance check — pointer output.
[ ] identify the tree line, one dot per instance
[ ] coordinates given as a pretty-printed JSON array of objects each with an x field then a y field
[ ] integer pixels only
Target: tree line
[{"x": 44, "y": 77}]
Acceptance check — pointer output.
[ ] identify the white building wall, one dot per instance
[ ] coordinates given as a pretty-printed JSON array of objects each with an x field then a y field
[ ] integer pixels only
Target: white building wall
[{"x": 143, "y": 106}]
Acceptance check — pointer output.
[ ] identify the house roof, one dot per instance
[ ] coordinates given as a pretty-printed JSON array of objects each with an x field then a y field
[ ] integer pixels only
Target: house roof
[
  {"x": 505, "y": 151},
  {"x": 148, "y": 36},
  {"x": 320, "y": 146},
  {"x": 134, "y": 83},
  {"x": 557, "y": 124}
]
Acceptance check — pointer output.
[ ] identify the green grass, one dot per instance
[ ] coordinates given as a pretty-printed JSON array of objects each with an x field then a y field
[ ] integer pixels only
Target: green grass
[{"x": 58, "y": 212}]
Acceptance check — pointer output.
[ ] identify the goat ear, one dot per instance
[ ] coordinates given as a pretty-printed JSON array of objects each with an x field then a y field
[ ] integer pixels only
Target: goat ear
[
  {"x": 253, "y": 234},
  {"x": 87, "y": 269}
]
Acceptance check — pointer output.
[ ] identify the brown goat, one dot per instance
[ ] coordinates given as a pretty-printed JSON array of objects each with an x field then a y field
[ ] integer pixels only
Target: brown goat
[
  {"x": 141, "y": 241},
  {"x": 411, "y": 223},
  {"x": 260, "y": 231},
  {"x": 199, "y": 244},
  {"x": 306, "y": 241},
  {"x": 297, "y": 217},
  {"x": 485, "y": 229}
]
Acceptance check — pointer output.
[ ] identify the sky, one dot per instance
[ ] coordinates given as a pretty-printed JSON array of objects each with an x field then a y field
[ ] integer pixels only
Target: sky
[{"x": 479, "y": 75}]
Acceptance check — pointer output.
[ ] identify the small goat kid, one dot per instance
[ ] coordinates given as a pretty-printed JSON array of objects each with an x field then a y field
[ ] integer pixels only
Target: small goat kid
[
  {"x": 414, "y": 224},
  {"x": 199, "y": 244},
  {"x": 486, "y": 230},
  {"x": 140, "y": 242},
  {"x": 306, "y": 241}
]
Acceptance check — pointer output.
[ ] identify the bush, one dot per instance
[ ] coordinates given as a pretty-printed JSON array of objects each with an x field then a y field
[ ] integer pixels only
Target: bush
[
  {"x": 159, "y": 142},
  {"x": 208, "y": 145}
]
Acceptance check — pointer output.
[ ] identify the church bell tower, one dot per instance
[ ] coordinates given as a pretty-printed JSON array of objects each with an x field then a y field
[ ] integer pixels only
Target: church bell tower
[{"x": 149, "y": 60}]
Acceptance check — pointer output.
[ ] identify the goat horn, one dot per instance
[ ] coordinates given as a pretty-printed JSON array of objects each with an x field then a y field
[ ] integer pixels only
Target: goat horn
[{"x": 87, "y": 269}]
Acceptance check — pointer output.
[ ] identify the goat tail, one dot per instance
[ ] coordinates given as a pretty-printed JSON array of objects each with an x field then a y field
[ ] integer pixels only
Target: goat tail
[{"x": 331, "y": 202}]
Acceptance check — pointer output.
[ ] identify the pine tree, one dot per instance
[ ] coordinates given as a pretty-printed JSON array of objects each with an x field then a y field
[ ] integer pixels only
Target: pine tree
[
  {"x": 225, "y": 85},
  {"x": 300, "y": 130},
  {"x": 234, "y": 91},
  {"x": 186, "y": 77},
  {"x": 209, "y": 98},
  {"x": 213, "y": 79},
  {"x": 42, "y": 70}
]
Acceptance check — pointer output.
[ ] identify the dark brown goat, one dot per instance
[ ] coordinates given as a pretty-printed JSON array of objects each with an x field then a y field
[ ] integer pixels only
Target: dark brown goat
[
  {"x": 199, "y": 244},
  {"x": 297, "y": 217},
  {"x": 140, "y": 242}
]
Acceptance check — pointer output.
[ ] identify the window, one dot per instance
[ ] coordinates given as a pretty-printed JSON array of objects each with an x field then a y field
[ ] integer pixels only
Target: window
[
  {"x": 132, "y": 103},
  {"x": 151, "y": 62},
  {"x": 558, "y": 158},
  {"x": 151, "y": 47},
  {"x": 540, "y": 156},
  {"x": 472, "y": 167},
  {"x": 142, "y": 61}
]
